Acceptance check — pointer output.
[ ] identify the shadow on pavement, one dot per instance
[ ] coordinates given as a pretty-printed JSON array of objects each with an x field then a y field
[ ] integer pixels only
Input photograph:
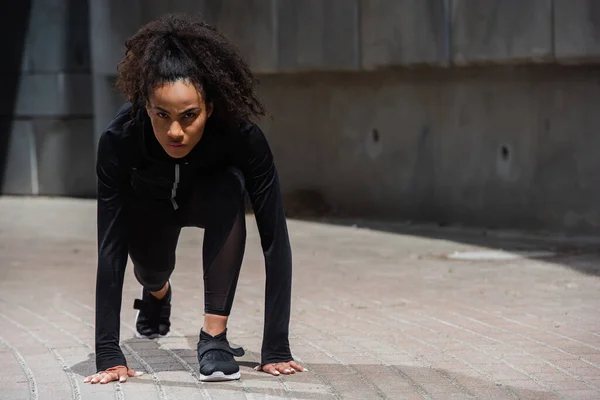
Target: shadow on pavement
[
  {"x": 581, "y": 254},
  {"x": 368, "y": 380},
  {"x": 85, "y": 368}
]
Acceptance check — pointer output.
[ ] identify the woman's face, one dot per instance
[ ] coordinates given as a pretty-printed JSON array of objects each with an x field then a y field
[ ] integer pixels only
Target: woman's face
[{"x": 178, "y": 114}]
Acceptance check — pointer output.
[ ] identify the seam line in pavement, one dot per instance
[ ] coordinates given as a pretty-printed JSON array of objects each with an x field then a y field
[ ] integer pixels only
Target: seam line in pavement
[
  {"x": 532, "y": 377},
  {"x": 119, "y": 395},
  {"x": 31, "y": 383},
  {"x": 508, "y": 391},
  {"x": 66, "y": 369}
]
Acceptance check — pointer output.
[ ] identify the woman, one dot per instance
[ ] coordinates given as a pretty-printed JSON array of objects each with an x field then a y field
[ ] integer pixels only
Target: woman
[{"x": 183, "y": 152}]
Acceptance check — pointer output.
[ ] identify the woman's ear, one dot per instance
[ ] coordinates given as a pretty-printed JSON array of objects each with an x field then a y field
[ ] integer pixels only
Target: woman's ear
[{"x": 209, "y": 110}]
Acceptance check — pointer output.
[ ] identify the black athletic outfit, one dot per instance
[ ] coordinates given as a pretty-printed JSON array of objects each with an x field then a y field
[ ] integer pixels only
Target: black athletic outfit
[{"x": 145, "y": 197}]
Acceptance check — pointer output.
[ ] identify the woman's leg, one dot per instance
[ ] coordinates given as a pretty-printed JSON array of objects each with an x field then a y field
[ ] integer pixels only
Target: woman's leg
[
  {"x": 218, "y": 207},
  {"x": 223, "y": 255},
  {"x": 160, "y": 294},
  {"x": 153, "y": 237}
]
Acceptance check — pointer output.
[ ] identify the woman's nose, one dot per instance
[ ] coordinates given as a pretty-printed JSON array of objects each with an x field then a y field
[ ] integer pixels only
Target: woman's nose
[{"x": 175, "y": 131}]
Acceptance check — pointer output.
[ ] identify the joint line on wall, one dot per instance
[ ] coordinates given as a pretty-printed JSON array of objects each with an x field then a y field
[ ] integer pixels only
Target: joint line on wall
[{"x": 35, "y": 181}]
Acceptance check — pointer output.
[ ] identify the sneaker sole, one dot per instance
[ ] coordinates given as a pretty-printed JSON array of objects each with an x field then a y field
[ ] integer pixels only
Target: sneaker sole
[
  {"x": 139, "y": 335},
  {"x": 219, "y": 377}
]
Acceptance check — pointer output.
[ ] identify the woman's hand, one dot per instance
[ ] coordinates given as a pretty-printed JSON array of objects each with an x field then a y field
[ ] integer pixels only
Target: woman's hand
[
  {"x": 119, "y": 373},
  {"x": 285, "y": 368}
]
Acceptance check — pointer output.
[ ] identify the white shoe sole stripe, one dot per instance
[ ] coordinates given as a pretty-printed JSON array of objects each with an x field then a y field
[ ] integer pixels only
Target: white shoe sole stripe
[{"x": 219, "y": 376}]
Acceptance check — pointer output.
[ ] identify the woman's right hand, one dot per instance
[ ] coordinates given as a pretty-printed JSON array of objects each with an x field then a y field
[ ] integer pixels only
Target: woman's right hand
[{"x": 119, "y": 373}]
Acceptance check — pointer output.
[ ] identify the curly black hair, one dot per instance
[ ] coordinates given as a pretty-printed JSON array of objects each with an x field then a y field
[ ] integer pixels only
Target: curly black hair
[{"x": 178, "y": 46}]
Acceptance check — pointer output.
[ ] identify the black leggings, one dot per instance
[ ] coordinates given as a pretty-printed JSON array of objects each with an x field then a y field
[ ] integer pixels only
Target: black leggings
[{"x": 216, "y": 204}]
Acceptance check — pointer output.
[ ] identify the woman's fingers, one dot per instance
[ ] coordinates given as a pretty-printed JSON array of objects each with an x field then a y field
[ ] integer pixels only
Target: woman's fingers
[
  {"x": 111, "y": 376},
  {"x": 285, "y": 368},
  {"x": 133, "y": 373},
  {"x": 297, "y": 366},
  {"x": 123, "y": 374},
  {"x": 98, "y": 377},
  {"x": 269, "y": 369},
  {"x": 119, "y": 373}
]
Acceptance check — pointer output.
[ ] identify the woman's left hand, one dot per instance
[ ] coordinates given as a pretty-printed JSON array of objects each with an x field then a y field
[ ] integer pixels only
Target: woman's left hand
[{"x": 285, "y": 368}]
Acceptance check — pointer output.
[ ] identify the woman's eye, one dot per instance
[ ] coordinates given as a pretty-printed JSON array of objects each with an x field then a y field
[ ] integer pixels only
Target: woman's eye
[
  {"x": 162, "y": 115},
  {"x": 190, "y": 115}
]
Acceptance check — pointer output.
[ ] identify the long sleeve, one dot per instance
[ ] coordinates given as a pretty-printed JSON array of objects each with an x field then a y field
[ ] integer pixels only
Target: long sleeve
[
  {"x": 112, "y": 255},
  {"x": 262, "y": 183}
]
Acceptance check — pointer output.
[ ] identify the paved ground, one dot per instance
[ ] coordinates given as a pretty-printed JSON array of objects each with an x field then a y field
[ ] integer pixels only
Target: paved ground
[{"x": 375, "y": 315}]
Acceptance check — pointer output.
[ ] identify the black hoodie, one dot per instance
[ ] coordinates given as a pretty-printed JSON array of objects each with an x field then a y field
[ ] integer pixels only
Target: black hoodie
[{"x": 131, "y": 164}]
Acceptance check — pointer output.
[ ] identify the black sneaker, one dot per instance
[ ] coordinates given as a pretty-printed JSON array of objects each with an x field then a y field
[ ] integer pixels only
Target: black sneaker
[
  {"x": 153, "y": 316},
  {"x": 215, "y": 356}
]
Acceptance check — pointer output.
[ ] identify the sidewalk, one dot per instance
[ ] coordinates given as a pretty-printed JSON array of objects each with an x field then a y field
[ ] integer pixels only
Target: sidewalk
[{"x": 375, "y": 315}]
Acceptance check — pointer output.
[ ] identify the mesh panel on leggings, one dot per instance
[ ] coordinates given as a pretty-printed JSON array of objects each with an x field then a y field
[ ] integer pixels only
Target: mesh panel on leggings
[{"x": 222, "y": 265}]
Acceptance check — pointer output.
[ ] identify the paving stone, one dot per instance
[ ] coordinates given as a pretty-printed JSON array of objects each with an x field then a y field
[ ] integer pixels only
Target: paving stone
[{"x": 446, "y": 341}]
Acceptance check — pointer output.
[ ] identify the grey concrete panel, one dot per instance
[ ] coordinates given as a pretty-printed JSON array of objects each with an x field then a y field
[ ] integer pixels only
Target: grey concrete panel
[
  {"x": 318, "y": 35},
  {"x": 54, "y": 95},
  {"x": 576, "y": 30},
  {"x": 378, "y": 152},
  {"x": 106, "y": 103},
  {"x": 296, "y": 155},
  {"x": 503, "y": 148},
  {"x": 501, "y": 31},
  {"x": 112, "y": 22},
  {"x": 485, "y": 148},
  {"x": 57, "y": 37},
  {"x": 403, "y": 32},
  {"x": 250, "y": 25},
  {"x": 155, "y": 8},
  {"x": 17, "y": 178},
  {"x": 354, "y": 141},
  {"x": 565, "y": 186},
  {"x": 65, "y": 157}
]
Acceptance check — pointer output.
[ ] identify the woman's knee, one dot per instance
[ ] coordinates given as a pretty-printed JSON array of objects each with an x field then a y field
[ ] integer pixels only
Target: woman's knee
[
  {"x": 152, "y": 280},
  {"x": 153, "y": 266}
]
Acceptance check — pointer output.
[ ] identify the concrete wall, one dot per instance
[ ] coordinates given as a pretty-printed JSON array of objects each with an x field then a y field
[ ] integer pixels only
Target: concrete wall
[
  {"x": 501, "y": 31},
  {"x": 577, "y": 31},
  {"x": 452, "y": 111},
  {"x": 498, "y": 147},
  {"x": 50, "y": 137},
  {"x": 404, "y": 33}
]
